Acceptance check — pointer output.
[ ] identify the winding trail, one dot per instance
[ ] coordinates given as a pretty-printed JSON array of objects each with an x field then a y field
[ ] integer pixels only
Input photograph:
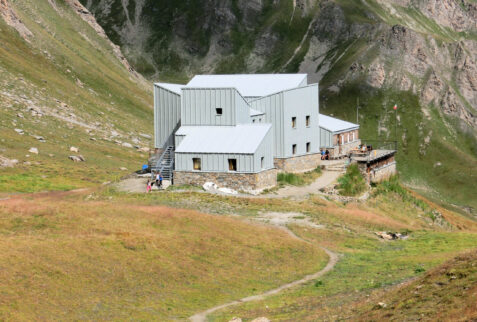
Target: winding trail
[{"x": 202, "y": 316}]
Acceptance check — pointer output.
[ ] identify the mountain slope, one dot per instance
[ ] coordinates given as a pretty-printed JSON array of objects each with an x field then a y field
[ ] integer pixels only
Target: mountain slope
[
  {"x": 64, "y": 85},
  {"x": 418, "y": 54}
]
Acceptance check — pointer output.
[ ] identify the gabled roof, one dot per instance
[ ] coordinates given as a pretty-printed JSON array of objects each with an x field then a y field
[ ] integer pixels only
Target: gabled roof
[
  {"x": 240, "y": 139},
  {"x": 250, "y": 85},
  {"x": 335, "y": 125},
  {"x": 175, "y": 88}
]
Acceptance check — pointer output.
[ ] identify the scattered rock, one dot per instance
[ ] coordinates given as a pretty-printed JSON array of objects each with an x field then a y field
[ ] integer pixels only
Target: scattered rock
[
  {"x": 77, "y": 158},
  {"x": 146, "y": 136},
  {"x": 74, "y": 149},
  {"x": 135, "y": 141},
  {"x": 114, "y": 133},
  {"x": 20, "y": 115},
  {"x": 123, "y": 169},
  {"x": 437, "y": 164},
  {"x": 127, "y": 145},
  {"x": 33, "y": 150},
  {"x": 19, "y": 131},
  {"x": 7, "y": 163},
  {"x": 382, "y": 305},
  {"x": 144, "y": 149},
  {"x": 92, "y": 139},
  {"x": 39, "y": 138},
  {"x": 390, "y": 235}
]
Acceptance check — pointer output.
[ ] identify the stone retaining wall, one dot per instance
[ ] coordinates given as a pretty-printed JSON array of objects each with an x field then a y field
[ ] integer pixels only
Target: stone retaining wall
[
  {"x": 345, "y": 149},
  {"x": 383, "y": 173},
  {"x": 298, "y": 164},
  {"x": 233, "y": 180}
]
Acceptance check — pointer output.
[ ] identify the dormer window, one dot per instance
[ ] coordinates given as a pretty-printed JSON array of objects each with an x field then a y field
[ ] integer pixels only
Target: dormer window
[{"x": 218, "y": 110}]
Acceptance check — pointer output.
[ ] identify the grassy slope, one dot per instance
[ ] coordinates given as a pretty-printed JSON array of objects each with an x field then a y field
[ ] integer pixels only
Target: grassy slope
[
  {"x": 71, "y": 259},
  {"x": 452, "y": 285},
  {"x": 368, "y": 263},
  {"x": 64, "y": 49}
]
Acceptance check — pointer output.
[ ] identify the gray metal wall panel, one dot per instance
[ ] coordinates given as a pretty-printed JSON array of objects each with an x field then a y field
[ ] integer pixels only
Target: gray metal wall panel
[
  {"x": 272, "y": 106},
  {"x": 326, "y": 138},
  {"x": 242, "y": 109},
  {"x": 265, "y": 149},
  {"x": 299, "y": 103},
  {"x": 167, "y": 115},
  {"x": 199, "y": 107},
  {"x": 214, "y": 162}
]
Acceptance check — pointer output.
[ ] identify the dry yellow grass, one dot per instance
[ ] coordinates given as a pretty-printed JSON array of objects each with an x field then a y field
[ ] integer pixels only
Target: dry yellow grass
[{"x": 63, "y": 258}]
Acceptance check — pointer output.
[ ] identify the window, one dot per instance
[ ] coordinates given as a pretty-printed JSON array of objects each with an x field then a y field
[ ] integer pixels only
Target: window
[
  {"x": 232, "y": 164},
  {"x": 196, "y": 162},
  {"x": 218, "y": 110},
  {"x": 262, "y": 162},
  {"x": 294, "y": 122},
  {"x": 308, "y": 120},
  {"x": 308, "y": 146},
  {"x": 253, "y": 121},
  {"x": 352, "y": 136},
  {"x": 294, "y": 149}
]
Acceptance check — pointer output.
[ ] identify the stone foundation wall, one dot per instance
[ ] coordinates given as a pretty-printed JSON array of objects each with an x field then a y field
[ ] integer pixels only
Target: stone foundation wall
[
  {"x": 383, "y": 173},
  {"x": 236, "y": 181},
  {"x": 298, "y": 164}
]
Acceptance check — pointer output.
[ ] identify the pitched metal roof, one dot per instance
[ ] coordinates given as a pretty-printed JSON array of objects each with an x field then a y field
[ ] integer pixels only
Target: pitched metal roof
[
  {"x": 250, "y": 85},
  {"x": 240, "y": 139},
  {"x": 335, "y": 125},
  {"x": 255, "y": 112},
  {"x": 175, "y": 88}
]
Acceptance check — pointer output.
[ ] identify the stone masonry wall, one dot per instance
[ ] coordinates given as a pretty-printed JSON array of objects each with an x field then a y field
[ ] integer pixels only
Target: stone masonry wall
[
  {"x": 345, "y": 149},
  {"x": 383, "y": 173},
  {"x": 298, "y": 164},
  {"x": 236, "y": 181}
]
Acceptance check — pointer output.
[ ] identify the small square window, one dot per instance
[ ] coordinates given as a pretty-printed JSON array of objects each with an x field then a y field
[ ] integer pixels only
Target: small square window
[
  {"x": 308, "y": 120},
  {"x": 294, "y": 122},
  {"x": 232, "y": 164},
  {"x": 196, "y": 162},
  {"x": 294, "y": 149},
  {"x": 253, "y": 121},
  {"x": 218, "y": 110},
  {"x": 262, "y": 162},
  {"x": 308, "y": 147}
]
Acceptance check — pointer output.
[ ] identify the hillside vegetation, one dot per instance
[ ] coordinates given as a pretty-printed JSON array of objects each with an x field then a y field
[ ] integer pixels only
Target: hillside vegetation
[{"x": 62, "y": 86}]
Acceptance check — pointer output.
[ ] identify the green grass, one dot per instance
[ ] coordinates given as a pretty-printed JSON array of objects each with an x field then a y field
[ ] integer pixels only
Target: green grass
[
  {"x": 298, "y": 179},
  {"x": 352, "y": 182}
]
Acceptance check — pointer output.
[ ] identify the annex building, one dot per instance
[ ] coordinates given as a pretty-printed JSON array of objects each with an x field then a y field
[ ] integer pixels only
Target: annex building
[{"x": 239, "y": 130}]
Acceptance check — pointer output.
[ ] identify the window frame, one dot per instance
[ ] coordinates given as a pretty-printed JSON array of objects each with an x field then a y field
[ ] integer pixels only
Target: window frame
[
  {"x": 308, "y": 147},
  {"x": 293, "y": 120},
  {"x": 294, "y": 149},
  {"x": 217, "y": 110},
  {"x": 307, "y": 120},
  {"x": 194, "y": 163},
  {"x": 232, "y": 164},
  {"x": 262, "y": 163}
]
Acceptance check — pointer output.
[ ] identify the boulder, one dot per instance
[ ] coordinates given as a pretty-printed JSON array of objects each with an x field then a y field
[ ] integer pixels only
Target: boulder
[
  {"x": 74, "y": 149},
  {"x": 19, "y": 131},
  {"x": 77, "y": 158},
  {"x": 146, "y": 136},
  {"x": 33, "y": 150},
  {"x": 123, "y": 169},
  {"x": 127, "y": 145},
  {"x": 144, "y": 149}
]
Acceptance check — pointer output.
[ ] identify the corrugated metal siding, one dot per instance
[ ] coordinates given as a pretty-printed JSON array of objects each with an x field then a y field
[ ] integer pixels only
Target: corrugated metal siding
[
  {"x": 326, "y": 138},
  {"x": 272, "y": 106},
  {"x": 167, "y": 115},
  {"x": 242, "y": 109},
  {"x": 265, "y": 150},
  {"x": 299, "y": 103},
  {"x": 214, "y": 162},
  {"x": 199, "y": 106}
]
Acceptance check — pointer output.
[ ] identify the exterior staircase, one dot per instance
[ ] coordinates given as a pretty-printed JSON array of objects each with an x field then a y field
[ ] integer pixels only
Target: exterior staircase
[
  {"x": 335, "y": 165},
  {"x": 165, "y": 164}
]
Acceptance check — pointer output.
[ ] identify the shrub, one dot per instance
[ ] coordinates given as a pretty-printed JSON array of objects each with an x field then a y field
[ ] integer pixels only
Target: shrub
[
  {"x": 300, "y": 179},
  {"x": 352, "y": 182}
]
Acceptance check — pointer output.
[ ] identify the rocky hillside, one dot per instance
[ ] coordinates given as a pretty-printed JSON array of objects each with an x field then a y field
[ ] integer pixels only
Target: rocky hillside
[
  {"x": 418, "y": 54},
  {"x": 73, "y": 112}
]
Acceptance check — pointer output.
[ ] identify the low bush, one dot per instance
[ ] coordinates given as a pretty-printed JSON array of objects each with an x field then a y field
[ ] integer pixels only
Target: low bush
[
  {"x": 300, "y": 179},
  {"x": 352, "y": 182}
]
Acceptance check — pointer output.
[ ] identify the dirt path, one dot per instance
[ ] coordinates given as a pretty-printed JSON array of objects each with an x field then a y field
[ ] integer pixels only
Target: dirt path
[
  {"x": 326, "y": 178},
  {"x": 202, "y": 316}
]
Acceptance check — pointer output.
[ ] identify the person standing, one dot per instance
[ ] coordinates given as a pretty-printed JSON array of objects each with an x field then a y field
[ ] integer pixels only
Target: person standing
[
  {"x": 157, "y": 180},
  {"x": 160, "y": 180}
]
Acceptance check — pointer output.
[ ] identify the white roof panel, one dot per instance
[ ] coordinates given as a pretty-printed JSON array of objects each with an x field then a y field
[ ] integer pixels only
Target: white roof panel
[
  {"x": 335, "y": 125},
  {"x": 250, "y": 85},
  {"x": 255, "y": 112},
  {"x": 175, "y": 88},
  {"x": 240, "y": 139}
]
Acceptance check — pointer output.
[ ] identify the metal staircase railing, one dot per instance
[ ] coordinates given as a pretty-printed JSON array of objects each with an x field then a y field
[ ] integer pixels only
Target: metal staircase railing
[{"x": 165, "y": 164}]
